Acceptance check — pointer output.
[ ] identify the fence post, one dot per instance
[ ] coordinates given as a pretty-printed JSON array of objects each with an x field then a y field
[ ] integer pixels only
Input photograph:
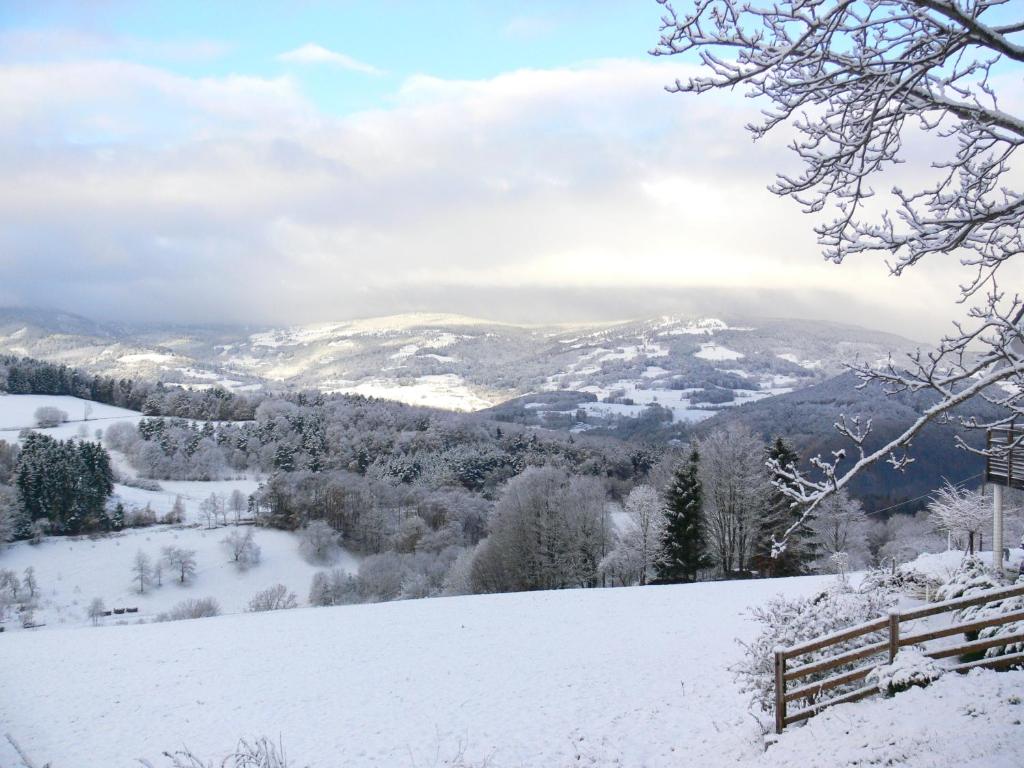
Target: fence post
[
  {"x": 894, "y": 634},
  {"x": 780, "y": 689}
]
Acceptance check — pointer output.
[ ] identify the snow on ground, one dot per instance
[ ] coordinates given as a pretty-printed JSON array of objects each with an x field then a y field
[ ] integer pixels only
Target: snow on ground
[
  {"x": 72, "y": 571},
  {"x": 674, "y": 400},
  {"x": 808, "y": 364},
  {"x": 967, "y": 721},
  {"x": 712, "y": 351},
  {"x": 17, "y": 412},
  {"x": 627, "y": 677},
  {"x": 671, "y": 326},
  {"x": 942, "y": 565},
  {"x": 448, "y": 391},
  {"x": 192, "y": 493}
]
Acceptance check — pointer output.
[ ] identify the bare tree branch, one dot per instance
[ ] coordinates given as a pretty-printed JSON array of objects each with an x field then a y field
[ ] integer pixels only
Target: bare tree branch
[{"x": 846, "y": 76}]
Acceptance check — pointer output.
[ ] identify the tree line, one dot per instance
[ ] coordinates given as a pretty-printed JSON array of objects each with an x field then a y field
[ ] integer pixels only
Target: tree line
[{"x": 27, "y": 376}]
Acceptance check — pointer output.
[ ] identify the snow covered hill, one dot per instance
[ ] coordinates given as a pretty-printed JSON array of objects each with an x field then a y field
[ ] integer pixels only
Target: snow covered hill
[
  {"x": 17, "y": 412},
  {"x": 622, "y": 677},
  {"x": 691, "y": 366}
]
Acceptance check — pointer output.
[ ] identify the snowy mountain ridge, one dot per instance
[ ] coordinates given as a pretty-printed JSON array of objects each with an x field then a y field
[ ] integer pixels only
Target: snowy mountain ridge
[{"x": 693, "y": 366}]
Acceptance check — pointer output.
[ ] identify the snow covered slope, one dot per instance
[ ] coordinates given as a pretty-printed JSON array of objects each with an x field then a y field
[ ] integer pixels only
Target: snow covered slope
[
  {"x": 618, "y": 677},
  {"x": 72, "y": 571},
  {"x": 17, "y": 412}
]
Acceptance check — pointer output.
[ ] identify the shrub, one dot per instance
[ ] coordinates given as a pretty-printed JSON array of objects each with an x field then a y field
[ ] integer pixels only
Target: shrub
[
  {"x": 143, "y": 483},
  {"x": 192, "y": 609},
  {"x": 140, "y": 518},
  {"x": 906, "y": 581},
  {"x": 274, "y": 598},
  {"x": 48, "y": 416},
  {"x": 972, "y": 578},
  {"x": 791, "y": 621},
  {"x": 909, "y": 669},
  {"x": 259, "y": 753}
]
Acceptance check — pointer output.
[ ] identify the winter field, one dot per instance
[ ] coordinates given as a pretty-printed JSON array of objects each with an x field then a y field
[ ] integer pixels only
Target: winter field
[
  {"x": 623, "y": 677},
  {"x": 17, "y": 412},
  {"x": 73, "y": 571}
]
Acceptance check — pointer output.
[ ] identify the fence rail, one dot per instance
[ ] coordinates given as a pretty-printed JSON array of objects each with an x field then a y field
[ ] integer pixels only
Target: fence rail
[{"x": 894, "y": 640}]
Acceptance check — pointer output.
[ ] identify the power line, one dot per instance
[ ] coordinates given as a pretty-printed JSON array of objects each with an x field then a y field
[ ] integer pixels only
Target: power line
[{"x": 924, "y": 496}]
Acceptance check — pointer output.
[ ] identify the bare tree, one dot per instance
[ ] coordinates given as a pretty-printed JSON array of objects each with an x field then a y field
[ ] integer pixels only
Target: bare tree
[
  {"x": 854, "y": 81},
  {"x": 96, "y": 610},
  {"x": 840, "y": 527},
  {"x": 30, "y": 583},
  {"x": 643, "y": 539},
  {"x": 238, "y": 503},
  {"x": 212, "y": 507},
  {"x": 142, "y": 570},
  {"x": 960, "y": 511},
  {"x": 317, "y": 541},
  {"x": 177, "y": 513},
  {"x": 181, "y": 561},
  {"x": 242, "y": 548},
  {"x": 736, "y": 487}
]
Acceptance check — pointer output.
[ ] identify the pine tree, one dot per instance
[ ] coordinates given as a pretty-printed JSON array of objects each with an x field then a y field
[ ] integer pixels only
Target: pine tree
[
  {"x": 683, "y": 541},
  {"x": 779, "y": 514}
]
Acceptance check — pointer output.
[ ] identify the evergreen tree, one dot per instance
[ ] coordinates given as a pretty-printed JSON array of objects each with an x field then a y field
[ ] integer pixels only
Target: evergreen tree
[
  {"x": 683, "y": 541},
  {"x": 779, "y": 514},
  {"x": 66, "y": 483}
]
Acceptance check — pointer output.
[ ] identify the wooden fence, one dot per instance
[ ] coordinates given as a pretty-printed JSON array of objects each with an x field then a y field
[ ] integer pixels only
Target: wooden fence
[{"x": 888, "y": 628}]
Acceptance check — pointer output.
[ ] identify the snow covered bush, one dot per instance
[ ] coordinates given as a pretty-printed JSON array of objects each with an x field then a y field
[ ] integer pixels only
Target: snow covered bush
[
  {"x": 48, "y": 416},
  {"x": 973, "y": 578},
  {"x": 905, "y": 581},
  {"x": 143, "y": 483},
  {"x": 192, "y": 609},
  {"x": 910, "y": 668},
  {"x": 791, "y": 621},
  {"x": 334, "y": 587},
  {"x": 274, "y": 598},
  {"x": 258, "y": 753}
]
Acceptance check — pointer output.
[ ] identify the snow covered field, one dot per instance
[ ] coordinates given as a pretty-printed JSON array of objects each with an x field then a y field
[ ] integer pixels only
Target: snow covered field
[
  {"x": 17, "y": 412},
  {"x": 447, "y": 391},
  {"x": 72, "y": 571},
  {"x": 621, "y": 677},
  {"x": 584, "y": 677},
  {"x": 192, "y": 493}
]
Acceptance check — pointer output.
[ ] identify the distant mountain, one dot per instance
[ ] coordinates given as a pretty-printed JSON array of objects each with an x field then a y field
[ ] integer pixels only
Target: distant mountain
[
  {"x": 806, "y": 418},
  {"x": 682, "y": 369}
]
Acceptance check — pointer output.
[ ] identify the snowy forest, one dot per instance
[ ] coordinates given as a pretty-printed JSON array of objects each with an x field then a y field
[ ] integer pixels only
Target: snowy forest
[{"x": 440, "y": 503}]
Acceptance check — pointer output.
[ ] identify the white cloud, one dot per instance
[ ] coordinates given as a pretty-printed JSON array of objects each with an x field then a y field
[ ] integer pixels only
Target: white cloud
[
  {"x": 311, "y": 53},
  {"x": 206, "y": 198}
]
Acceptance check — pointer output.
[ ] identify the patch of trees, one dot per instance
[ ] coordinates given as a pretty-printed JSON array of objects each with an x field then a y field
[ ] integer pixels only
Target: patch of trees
[
  {"x": 380, "y": 440},
  {"x": 26, "y": 376},
  {"x": 64, "y": 483}
]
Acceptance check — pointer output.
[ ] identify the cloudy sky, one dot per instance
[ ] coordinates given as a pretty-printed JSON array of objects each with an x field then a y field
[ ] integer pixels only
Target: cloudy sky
[{"x": 310, "y": 161}]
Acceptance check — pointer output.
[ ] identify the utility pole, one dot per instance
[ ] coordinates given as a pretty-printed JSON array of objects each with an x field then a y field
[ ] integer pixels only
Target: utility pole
[{"x": 997, "y": 528}]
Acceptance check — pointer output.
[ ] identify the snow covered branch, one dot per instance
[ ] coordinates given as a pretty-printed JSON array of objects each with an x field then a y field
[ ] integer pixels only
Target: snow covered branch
[{"x": 846, "y": 76}]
